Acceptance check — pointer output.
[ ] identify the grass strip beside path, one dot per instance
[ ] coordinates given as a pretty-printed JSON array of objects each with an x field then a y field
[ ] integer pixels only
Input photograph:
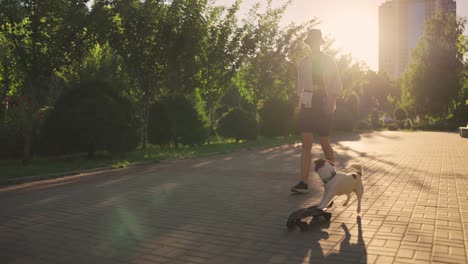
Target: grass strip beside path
[{"x": 10, "y": 169}]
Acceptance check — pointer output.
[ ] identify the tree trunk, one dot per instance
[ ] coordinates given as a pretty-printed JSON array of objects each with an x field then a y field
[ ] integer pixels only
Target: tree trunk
[
  {"x": 31, "y": 106},
  {"x": 27, "y": 146},
  {"x": 34, "y": 82},
  {"x": 145, "y": 124},
  {"x": 6, "y": 88},
  {"x": 210, "y": 126}
]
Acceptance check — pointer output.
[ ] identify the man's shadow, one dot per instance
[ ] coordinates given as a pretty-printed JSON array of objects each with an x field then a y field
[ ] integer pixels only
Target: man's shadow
[{"x": 352, "y": 253}]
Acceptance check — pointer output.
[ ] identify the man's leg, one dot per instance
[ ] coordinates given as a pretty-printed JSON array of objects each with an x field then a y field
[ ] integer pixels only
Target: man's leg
[
  {"x": 302, "y": 186},
  {"x": 307, "y": 140},
  {"x": 327, "y": 149}
]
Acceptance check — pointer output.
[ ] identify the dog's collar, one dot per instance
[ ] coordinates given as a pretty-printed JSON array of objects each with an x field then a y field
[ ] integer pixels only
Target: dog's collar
[{"x": 330, "y": 177}]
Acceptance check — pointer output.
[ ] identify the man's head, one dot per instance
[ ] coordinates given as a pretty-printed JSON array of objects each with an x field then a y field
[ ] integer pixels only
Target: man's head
[{"x": 314, "y": 38}]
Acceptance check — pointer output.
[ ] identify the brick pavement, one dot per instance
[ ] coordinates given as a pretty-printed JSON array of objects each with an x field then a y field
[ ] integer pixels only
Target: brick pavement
[{"x": 232, "y": 208}]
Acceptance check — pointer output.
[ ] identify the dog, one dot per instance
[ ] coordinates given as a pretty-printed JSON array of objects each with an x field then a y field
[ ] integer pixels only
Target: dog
[{"x": 338, "y": 183}]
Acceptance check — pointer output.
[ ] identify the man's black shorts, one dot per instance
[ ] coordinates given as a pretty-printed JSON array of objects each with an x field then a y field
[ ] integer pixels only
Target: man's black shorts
[{"x": 313, "y": 120}]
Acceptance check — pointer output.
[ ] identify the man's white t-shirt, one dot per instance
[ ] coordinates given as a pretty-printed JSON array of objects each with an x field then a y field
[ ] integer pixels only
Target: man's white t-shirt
[{"x": 330, "y": 76}]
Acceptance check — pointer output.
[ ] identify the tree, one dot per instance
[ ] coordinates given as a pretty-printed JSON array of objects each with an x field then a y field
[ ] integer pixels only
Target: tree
[
  {"x": 434, "y": 76},
  {"x": 44, "y": 36},
  {"x": 136, "y": 31},
  {"x": 91, "y": 116},
  {"x": 176, "y": 119},
  {"x": 277, "y": 117},
  {"x": 238, "y": 124},
  {"x": 224, "y": 49},
  {"x": 270, "y": 71},
  {"x": 375, "y": 92}
]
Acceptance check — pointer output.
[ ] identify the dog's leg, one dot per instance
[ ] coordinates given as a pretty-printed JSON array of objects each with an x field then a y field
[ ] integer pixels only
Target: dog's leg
[
  {"x": 347, "y": 199},
  {"x": 326, "y": 199},
  {"x": 325, "y": 191},
  {"x": 359, "y": 191}
]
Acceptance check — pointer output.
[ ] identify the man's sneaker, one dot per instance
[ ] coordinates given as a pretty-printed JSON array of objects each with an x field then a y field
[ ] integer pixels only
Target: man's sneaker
[{"x": 301, "y": 187}]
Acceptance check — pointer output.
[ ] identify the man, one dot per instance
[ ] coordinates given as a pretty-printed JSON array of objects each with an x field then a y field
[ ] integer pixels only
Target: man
[{"x": 319, "y": 84}]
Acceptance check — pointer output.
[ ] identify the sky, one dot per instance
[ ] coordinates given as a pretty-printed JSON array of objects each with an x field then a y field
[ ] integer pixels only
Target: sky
[{"x": 353, "y": 24}]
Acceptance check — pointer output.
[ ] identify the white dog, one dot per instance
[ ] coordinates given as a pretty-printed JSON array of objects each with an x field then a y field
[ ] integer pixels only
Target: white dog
[{"x": 337, "y": 183}]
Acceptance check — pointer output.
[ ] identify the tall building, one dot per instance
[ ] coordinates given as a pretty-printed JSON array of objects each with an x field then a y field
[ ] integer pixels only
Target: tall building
[{"x": 401, "y": 24}]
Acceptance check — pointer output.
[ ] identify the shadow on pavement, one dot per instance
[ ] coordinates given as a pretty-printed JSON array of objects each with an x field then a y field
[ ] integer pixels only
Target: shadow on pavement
[
  {"x": 352, "y": 253},
  {"x": 311, "y": 250}
]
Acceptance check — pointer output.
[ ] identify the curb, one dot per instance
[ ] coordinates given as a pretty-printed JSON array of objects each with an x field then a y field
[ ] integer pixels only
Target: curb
[{"x": 28, "y": 179}]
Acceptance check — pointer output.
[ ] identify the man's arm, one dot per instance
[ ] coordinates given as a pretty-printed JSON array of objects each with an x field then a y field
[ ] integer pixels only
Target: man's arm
[{"x": 300, "y": 84}]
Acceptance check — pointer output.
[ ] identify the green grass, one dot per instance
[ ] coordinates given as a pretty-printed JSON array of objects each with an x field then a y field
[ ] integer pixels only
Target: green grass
[{"x": 51, "y": 165}]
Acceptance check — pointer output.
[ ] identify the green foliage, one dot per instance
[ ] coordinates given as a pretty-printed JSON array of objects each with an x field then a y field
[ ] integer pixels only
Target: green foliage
[
  {"x": 41, "y": 37},
  {"x": 434, "y": 77},
  {"x": 121, "y": 165},
  {"x": 159, "y": 126},
  {"x": 364, "y": 124},
  {"x": 11, "y": 140},
  {"x": 400, "y": 114},
  {"x": 125, "y": 60},
  {"x": 223, "y": 50},
  {"x": 374, "y": 118},
  {"x": 375, "y": 92},
  {"x": 238, "y": 124},
  {"x": 346, "y": 114},
  {"x": 270, "y": 70},
  {"x": 438, "y": 124},
  {"x": 277, "y": 117},
  {"x": 460, "y": 114},
  {"x": 176, "y": 119},
  {"x": 101, "y": 63},
  {"x": 91, "y": 117},
  {"x": 232, "y": 99},
  {"x": 392, "y": 126},
  {"x": 344, "y": 120},
  {"x": 372, "y": 121}
]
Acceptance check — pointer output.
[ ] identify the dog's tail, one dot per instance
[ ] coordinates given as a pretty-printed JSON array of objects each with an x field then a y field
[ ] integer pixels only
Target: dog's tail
[{"x": 358, "y": 169}]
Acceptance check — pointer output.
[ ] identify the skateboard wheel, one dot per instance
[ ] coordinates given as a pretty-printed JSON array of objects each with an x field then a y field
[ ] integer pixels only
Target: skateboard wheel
[{"x": 290, "y": 224}]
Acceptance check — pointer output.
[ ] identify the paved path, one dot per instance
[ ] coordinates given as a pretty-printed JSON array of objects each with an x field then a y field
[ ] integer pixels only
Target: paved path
[{"x": 232, "y": 209}]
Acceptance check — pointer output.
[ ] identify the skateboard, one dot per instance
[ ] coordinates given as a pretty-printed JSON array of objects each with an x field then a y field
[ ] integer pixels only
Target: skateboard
[{"x": 296, "y": 218}]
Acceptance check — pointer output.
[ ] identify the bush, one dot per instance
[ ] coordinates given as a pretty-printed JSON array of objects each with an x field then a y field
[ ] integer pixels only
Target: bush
[
  {"x": 91, "y": 117},
  {"x": 11, "y": 141},
  {"x": 375, "y": 119},
  {"x": 392, "y": 126},
  {"x": 438, "y": 124},
  {"x": 460, "y": 114},
  {"x": 400, "y": 114},
  {"x": 238, "y": 124},
  {"x": 344, "y": 120},
  {"x": 346, "y": 114},
  {"x": 159, "y": 126},
  {"x": 277, "y": 117},
  {"x": 364, "y": 125},
  {"x": 175, "y": 118}
]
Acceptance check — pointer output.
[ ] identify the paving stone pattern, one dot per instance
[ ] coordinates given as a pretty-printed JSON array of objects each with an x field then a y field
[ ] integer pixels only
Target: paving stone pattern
[{"x": 232, "y": 208}]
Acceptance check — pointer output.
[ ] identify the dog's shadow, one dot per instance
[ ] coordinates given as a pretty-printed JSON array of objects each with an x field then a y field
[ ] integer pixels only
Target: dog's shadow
[{"x": 352, "y": 253}]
